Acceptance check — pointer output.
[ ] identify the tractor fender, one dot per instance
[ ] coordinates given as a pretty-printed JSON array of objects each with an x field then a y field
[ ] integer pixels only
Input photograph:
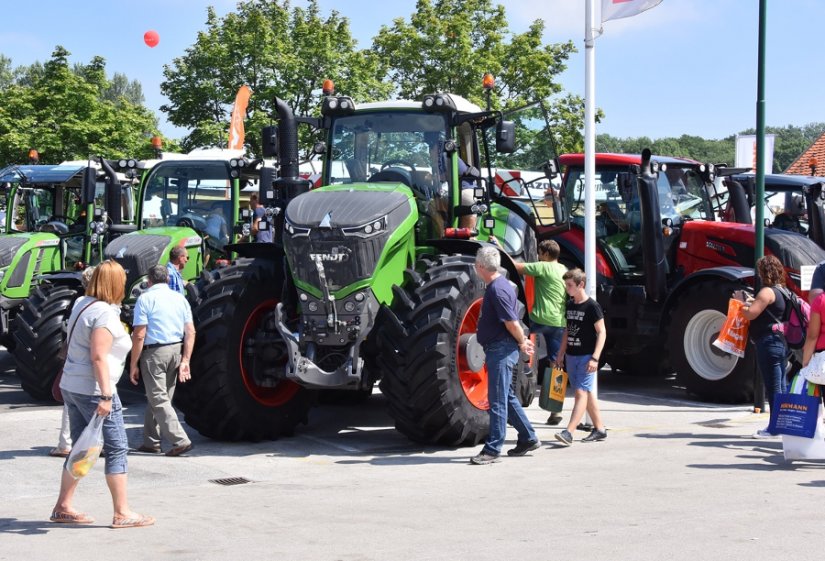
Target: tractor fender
[
  {"x": 65, "y": 278},
  {"x": 256, "y": 250},
  {"x": 451, "y": 246},
  {"x": 742, "y": 275}
]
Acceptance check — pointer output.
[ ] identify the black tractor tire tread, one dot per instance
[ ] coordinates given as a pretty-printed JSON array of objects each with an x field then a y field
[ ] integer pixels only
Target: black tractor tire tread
[
  {"x": 215, "y": 402},
  {"x": 38, "y": 333}
]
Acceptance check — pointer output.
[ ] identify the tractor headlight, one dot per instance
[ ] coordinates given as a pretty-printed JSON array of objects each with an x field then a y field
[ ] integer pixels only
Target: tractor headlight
[
  {"x": 295, "y": 231},
  {"x": 139, "y": 288},
  {"x": 371, "y": 228}
]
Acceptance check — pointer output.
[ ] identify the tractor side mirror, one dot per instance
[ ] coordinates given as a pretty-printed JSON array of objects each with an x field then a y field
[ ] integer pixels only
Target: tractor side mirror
[
  {"x": 506, "y": 137},
  {"x": 551, "y": 168},
  {"x": 269, "y": 141},
  {"x": 89, "y": 184}
]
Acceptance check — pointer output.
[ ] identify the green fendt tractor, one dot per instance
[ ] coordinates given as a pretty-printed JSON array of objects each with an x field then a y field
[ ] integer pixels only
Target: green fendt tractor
[
  {"x": 368, "y": 277},
  {"x": 60, "y": 219},
  {"x": 181, "y": 200}
]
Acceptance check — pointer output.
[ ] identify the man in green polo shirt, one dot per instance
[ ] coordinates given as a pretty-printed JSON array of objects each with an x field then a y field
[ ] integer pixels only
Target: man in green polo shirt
[{"x": 547, "y": 315}]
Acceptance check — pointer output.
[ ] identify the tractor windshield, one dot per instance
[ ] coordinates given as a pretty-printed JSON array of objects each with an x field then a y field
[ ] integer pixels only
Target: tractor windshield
[
  {"x": 400, "y": 147},
  {"x": 189, "y": 193}
]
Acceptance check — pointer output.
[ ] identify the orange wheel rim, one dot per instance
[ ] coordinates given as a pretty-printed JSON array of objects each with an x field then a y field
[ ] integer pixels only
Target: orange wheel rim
[
  {"x": 282, "y": 392},
  {"x": 473, "y": 383}
]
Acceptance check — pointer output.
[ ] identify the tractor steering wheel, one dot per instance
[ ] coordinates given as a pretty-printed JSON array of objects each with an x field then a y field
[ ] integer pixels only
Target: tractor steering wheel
[
  {"x": 392, "y": 163},
  {"x": 62, "y": 218}
]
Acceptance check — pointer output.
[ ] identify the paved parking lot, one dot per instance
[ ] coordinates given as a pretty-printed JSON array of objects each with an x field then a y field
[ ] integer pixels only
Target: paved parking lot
[{"x": 675, "y": 478}]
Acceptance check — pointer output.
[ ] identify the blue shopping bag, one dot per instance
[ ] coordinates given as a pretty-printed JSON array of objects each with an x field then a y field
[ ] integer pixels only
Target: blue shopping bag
[{"x": 794, "y": 414}]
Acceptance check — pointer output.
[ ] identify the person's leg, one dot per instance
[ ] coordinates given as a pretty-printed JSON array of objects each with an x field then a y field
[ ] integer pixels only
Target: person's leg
[
  {"x": 576, "y": 372},
  {"x": 498, "y": 386},
  {"x": 770, "y": 354},
  {"x": 515, "y": 412},
  {"x": 594, "y": 412},
  {"x": 116, "y": 446},
  {"x": 64, "y": 441},
  {"x": 151, "y": 433},
  {"x": 158, "y": 362},
  {"x": 79, "y": 412}
]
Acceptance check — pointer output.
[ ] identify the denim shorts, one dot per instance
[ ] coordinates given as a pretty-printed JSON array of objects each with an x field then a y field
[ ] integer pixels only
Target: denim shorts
[
  {"x": 81, "y": 408},
  {"x": 577, "y": 375}
]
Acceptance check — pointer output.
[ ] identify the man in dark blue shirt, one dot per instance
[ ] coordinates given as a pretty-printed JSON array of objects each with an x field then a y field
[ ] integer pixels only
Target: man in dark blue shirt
[{"x": 501, "y": 335}]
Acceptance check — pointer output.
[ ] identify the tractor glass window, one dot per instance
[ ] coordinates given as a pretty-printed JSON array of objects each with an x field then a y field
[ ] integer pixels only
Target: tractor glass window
[
  {"x": 396, "y": 147},
  {"x": 189, "y": 193},
  {"x": 690, "y": 195},
  {"x": 35, "y": 208}
]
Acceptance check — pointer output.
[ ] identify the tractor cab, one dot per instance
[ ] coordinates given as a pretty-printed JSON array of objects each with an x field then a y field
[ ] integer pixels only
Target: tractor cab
[{"x": 681, "y": 197}]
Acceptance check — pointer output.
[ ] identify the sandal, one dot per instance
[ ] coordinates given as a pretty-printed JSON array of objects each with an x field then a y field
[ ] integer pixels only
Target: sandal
[
  {"x": 135, "y": 521},
  {"x": 70, "y": 518},
  {"x": 59, "y": 453}
]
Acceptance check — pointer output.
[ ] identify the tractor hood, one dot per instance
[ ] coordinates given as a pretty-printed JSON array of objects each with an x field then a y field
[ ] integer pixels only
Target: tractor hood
[
  {"x": 336, "y": 236},
  {"x": 10, "y": 245},
  {"x": 727, "y": 243},
  {"x": 357, "y": 205}
]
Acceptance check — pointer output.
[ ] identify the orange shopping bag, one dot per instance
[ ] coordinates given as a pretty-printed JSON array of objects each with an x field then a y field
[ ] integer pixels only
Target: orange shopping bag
[{"x": 734, "y": 333}]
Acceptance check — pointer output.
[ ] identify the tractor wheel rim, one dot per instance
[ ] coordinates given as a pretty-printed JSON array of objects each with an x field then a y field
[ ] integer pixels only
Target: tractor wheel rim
[
  {"x": 473, "y": 383},
  {"x": 282, "y": 392},
  {"x": 709, "y": 362}
]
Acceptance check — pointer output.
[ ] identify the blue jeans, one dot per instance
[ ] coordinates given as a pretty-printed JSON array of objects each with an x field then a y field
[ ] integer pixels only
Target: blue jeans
[
  {"x": 577, "y": 374},
  {"x": 501, "y": 358},
  {"x": 771, "y": 355},
  {"x": 81, "y": 408},
  {"x": 552, "y": 338}
]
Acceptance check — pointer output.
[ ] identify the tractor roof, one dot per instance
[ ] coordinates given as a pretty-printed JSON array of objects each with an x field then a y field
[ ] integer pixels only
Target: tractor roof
[
  {"x": 781, "y": 181},
  {"x": 463, "y": 105},
  {"x": 41, "y": 173},
  {"x": 607, "y": 159},
  {"x": 199, "y": 154}
]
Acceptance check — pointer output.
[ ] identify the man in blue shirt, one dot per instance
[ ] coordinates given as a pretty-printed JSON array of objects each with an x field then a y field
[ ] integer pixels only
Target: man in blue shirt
[
  {"x": 178, "y": 257},
  {"x": 501, "y": 335},
  {"x": 162, "y": 339}
]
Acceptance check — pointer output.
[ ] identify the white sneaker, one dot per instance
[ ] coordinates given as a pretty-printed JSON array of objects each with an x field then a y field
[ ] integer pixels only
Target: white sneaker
[{"x": 763, "y": 434}]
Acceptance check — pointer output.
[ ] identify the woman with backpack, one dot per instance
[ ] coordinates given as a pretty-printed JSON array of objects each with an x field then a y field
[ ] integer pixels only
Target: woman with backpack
[{"x": 765, "y": 313}]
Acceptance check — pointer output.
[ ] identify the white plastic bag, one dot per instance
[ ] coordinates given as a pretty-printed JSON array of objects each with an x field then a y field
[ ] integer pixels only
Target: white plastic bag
[
  {"x": 815, "y": 371},
  {"x": 800, "y": 448},
  {"x": 86, "y": 450}
]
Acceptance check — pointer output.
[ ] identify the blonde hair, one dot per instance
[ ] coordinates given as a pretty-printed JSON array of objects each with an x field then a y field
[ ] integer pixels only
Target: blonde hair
[
  {"x": 576, "y": 275},
  {"x": 108, "y": 283}
]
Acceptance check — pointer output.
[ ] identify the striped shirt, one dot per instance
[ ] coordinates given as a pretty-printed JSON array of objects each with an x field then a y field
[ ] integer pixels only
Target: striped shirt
[{"x": 175, "y": 279}]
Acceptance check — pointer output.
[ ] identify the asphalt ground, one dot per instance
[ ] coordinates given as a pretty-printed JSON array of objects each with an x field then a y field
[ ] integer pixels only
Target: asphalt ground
[{"x": 676, "y": 479}]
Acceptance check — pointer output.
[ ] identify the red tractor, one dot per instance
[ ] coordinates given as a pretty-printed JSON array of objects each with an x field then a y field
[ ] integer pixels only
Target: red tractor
[{"x": 665, "y": 269}]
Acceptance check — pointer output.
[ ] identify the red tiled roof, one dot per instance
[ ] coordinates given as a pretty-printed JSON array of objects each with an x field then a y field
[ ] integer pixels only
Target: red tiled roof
[{"x": 802, "y": 165}]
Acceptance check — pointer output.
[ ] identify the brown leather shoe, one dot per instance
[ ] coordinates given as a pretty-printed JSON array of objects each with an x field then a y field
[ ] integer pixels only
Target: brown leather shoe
[{"x": 178, "y": 450}]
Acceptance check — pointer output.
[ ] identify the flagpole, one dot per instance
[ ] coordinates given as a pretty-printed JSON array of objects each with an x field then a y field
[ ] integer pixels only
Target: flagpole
[
  {"x": 589, "y": 151},
  {"x": 590, "y": 163}
]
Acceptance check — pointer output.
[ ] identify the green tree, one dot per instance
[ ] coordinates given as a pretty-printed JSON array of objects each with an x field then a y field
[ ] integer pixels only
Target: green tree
[
  {"x": 448, "y": 46},
  {"x": 276, "y": 50},
  {"x": 62, "y": 113}
]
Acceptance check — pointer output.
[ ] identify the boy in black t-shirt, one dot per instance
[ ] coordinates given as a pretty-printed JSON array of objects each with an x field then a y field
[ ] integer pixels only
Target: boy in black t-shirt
[{"x": 583, "y": 342}]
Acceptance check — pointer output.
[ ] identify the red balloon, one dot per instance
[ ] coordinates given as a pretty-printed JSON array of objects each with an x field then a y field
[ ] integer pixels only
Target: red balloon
[{"x": 151, "y": 38}]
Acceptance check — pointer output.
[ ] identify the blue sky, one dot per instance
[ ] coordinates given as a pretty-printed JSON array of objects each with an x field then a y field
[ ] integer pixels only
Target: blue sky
[{"x": 684, "y": 67}]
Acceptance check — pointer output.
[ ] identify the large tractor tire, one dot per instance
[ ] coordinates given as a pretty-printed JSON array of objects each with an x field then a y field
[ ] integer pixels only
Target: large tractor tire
[
  {"x": 706, "y": 371},
  {"x": 434, "y": 395},
  {"x": 38, "y": 332},
  {"x": 224, "y": 399}
]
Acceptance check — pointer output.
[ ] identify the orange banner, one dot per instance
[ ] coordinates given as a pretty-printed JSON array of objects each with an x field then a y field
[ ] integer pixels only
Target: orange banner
[{"x": 236, "y": 130}]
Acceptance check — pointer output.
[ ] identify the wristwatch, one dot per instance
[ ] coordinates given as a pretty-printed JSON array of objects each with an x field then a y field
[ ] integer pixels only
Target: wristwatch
[{"x": 105, "y": 397}]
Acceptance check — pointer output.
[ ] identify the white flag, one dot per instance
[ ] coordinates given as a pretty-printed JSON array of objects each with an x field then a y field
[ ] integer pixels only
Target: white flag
[
  {"x": 746, "y": 151},
  {"x": 617, "y": 9}
]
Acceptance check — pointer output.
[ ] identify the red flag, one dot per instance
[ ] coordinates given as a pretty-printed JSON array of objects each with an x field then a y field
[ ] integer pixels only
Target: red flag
[
  {"x": 236, "y": 130},
  {"x": 617, "y": 9}
]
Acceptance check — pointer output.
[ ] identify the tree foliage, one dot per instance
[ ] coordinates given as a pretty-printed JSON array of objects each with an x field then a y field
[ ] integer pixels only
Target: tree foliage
[
  {"x": 276, "y": 50},
  {"x": 791, "y": 141},
  {"x": 448, "y": 46},
  {"x": 68, "y": 114}
]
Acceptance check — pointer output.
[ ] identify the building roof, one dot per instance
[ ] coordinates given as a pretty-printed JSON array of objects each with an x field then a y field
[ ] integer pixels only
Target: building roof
[{"x": 802, "y": 165}]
